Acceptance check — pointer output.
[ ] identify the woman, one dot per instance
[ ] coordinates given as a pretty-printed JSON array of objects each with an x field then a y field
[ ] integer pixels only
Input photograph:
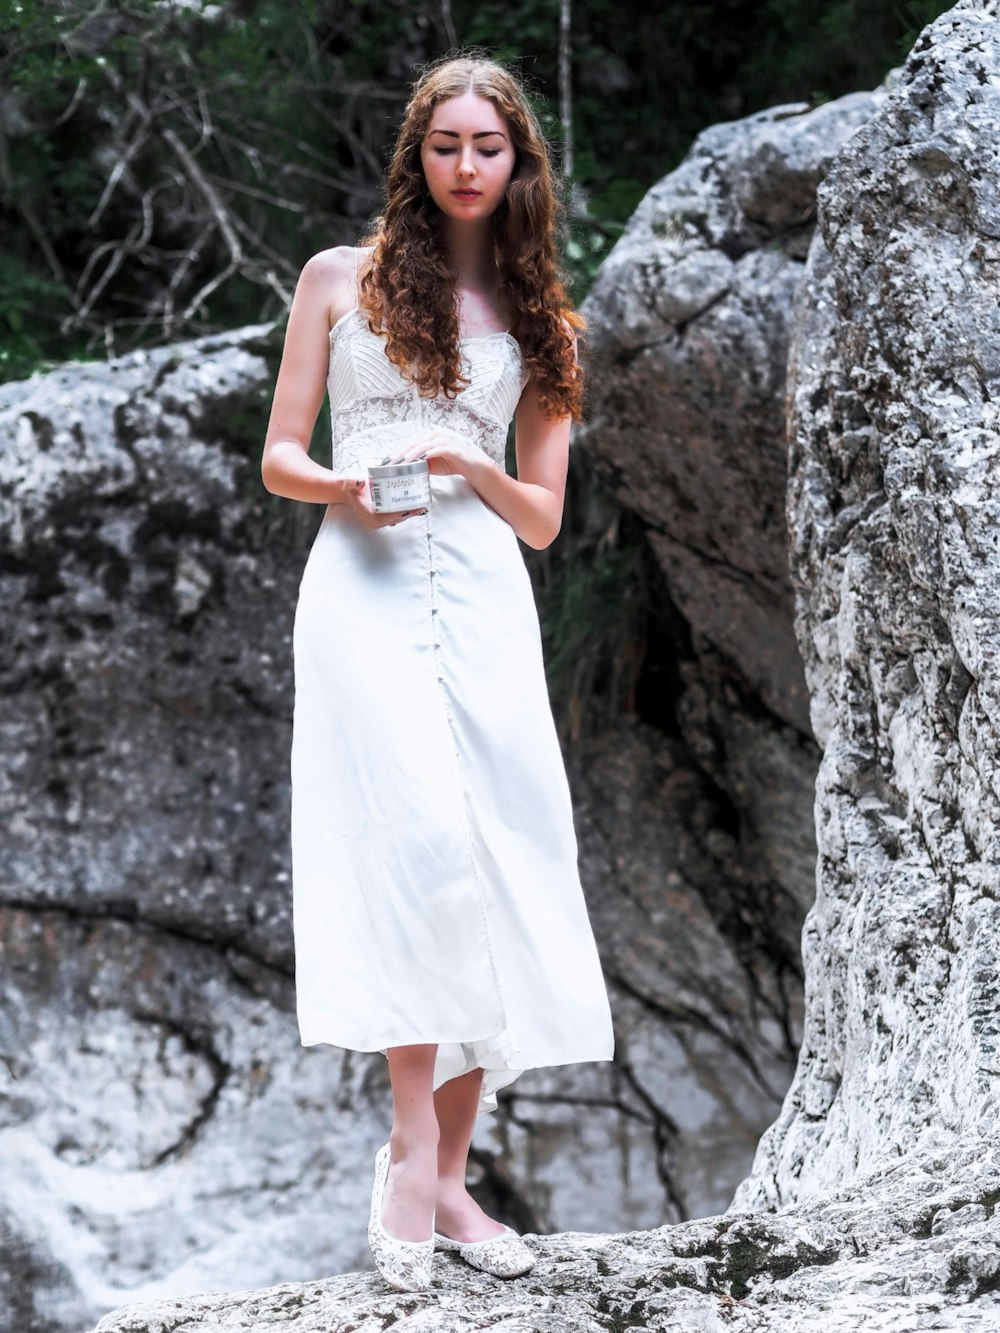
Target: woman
[{"x": 437, "y": 908}]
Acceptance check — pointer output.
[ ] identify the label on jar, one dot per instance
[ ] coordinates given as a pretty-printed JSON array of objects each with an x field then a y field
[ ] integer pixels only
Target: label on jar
[{"x": 409, "y": 488}]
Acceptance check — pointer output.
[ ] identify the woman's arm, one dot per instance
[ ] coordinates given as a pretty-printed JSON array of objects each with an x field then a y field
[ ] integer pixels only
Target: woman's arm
[
  {"x": 326, "y": 290},
  {"x": 322, "y": 293},
  {"x": 533, "y": 503}
]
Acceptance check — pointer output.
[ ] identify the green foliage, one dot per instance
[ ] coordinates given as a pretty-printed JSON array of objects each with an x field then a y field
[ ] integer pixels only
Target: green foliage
[
  {"x": 594, "y": 592},
  {"x": 593, "y": 611},
  {"x": 841, "y": 45},
  {"x": 117, "y": 121}
]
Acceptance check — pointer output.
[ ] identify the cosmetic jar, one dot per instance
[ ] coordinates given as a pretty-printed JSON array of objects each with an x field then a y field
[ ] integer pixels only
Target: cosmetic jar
[{"x": 398, "y": 486}]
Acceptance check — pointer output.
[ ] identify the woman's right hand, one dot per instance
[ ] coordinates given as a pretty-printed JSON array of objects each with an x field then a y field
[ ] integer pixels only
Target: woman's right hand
[{"x": 357, "y": 501}]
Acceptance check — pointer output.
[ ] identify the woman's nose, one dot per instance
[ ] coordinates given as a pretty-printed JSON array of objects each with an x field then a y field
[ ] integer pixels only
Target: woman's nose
[{"x": 466, "y": 166}]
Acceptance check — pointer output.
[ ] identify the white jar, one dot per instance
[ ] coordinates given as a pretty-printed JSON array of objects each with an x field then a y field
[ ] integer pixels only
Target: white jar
[{"x": 399, "y": 486}]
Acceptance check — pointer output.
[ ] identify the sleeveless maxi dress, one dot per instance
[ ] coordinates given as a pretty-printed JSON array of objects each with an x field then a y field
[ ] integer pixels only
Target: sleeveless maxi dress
[{"x": 436, "y": 896}]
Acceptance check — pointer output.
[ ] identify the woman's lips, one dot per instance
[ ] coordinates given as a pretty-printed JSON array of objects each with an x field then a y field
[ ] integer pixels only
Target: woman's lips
[{"x": 466, "y": 194}]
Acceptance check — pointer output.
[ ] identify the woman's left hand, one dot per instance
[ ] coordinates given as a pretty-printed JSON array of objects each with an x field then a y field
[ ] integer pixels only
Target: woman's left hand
[{"x": 447, "y": 454}]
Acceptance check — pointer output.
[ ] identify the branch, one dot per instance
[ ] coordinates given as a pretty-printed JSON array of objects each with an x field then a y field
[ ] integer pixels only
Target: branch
[
  {"x": 449, "y": 25},
  {"x": 208, "y": 193},
  {"x": 139, "y": 140},
  {"x": 566, "y": 83},
  {"x": 206, "y": 290}
]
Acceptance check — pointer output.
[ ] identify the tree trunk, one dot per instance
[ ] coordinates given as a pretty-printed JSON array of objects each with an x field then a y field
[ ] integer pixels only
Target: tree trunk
[{"x": 566, "y": 83}]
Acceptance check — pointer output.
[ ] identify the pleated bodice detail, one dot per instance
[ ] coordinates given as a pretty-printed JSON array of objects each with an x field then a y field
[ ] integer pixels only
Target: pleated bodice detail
[{"x": 368, "y": 393}]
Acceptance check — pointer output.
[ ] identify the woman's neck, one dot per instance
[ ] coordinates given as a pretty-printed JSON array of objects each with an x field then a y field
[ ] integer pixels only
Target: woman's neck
[{"x": 471, "y": 250}]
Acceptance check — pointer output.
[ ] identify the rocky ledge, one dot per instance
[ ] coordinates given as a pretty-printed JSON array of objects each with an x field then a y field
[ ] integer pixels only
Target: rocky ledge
[{"x": 912, "y": 1246}]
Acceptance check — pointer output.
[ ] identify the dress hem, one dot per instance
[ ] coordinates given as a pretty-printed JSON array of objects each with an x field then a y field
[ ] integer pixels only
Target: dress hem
[{"x": 459, "y": 1056}]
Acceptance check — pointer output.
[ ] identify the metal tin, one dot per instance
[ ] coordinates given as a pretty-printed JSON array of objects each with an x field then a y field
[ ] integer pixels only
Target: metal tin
[{"x": 399, "y": 486}]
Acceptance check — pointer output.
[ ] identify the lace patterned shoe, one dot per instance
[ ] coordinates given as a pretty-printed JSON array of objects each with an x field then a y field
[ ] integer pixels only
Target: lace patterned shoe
[
  {"x": 505, "y": 1255},
  {"x": 404, "y": 1264}
]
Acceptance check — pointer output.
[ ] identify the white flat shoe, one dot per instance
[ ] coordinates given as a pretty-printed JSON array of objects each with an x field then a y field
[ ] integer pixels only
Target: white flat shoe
[
  {"x": 505, "y": 1255},
  {"x": 404, "y": 1264}
]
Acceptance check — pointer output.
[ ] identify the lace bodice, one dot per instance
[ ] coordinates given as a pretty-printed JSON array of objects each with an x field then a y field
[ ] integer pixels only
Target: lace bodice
[{"x": 373, "y": 407}]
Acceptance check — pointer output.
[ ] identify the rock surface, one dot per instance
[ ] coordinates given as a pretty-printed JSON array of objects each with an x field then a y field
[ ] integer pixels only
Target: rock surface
[
  {"x": 708, "y": 838},
  {"x": 913, "y": 1247},
  {"x": 161, "y": 1130},
  {"x": 894, "y": 511},
  {"x": 690, "y": 323}
]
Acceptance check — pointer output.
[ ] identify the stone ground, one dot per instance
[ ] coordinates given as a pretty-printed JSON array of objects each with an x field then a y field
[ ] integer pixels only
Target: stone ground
[{"x": 914, "y": 1247}]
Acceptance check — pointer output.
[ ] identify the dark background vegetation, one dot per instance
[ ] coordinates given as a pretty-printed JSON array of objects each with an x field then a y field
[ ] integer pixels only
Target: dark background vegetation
[{"x": 166, "y": 167}]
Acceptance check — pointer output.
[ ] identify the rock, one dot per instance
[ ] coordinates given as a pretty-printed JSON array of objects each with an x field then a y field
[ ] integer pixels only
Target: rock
[
  {"x": 689, "y": 330},
  {"x": 696, "y": 817},
  {"x": 689, "y": 327},
  {"x": 864, "y": 1257},
  {"x": 894, "y": 516}
]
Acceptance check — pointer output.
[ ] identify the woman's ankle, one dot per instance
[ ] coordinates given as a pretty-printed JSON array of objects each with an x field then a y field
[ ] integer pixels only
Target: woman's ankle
[
  {"x": 452, "y": 1189},
  {"x": 408, "y": 1142}
]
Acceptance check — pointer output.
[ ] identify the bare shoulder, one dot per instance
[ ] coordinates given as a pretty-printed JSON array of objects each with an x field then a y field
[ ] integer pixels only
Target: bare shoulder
[{"x": 329, "y": 278}]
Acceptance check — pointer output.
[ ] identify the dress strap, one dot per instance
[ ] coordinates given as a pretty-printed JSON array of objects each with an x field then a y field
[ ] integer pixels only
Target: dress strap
[{"x": 357, "y": 278}]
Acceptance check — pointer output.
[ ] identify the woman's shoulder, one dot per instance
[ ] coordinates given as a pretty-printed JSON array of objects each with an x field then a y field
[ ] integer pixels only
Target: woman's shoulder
[
  {"x": 333, "y": 276},
  {"x": 340, "y": 261}
]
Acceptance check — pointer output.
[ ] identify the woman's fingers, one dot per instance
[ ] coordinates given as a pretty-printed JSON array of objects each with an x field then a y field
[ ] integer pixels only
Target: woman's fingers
[
  {"x": 373, "y": 518},
  {"x": 411, "y": 455}
]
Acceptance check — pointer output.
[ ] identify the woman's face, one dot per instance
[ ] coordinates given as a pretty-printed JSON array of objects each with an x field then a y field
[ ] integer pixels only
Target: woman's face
[{"x": 467, "y": 156}]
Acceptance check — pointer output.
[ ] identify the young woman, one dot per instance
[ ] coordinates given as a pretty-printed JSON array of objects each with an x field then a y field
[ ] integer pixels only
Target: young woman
[{"x": 438, "y": 915}]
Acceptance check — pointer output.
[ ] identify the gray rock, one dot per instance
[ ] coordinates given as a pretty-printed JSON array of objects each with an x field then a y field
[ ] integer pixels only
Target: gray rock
[
  {"x": 894, "y": 516},
  {"x": 690, "y": 321},
  {"x": 709, "y": 822},
  {"x": 859, "y": 1258}
]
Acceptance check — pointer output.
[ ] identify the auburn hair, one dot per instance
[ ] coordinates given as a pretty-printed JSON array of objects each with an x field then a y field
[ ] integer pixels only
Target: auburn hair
[{"x": 408, "y": 290}]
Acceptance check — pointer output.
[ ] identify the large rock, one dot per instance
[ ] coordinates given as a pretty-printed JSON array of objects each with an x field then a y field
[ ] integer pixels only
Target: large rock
[
  {"x": 894, "y": 511},
  {"x": 706, "y": 845},
  {"x": 161, "y": 1129},
  {"x": 912, "y": 1247},
  {"x": 690, "y": 322}
]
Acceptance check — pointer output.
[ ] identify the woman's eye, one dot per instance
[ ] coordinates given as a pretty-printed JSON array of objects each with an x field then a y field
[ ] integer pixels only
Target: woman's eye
[
  {"x": 443, "y": 152},
  {"x": 490, "y": 152}
]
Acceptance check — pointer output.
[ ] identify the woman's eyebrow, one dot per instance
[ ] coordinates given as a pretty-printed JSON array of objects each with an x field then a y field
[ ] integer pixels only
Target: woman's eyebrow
[{"x": 479, "y": 134}]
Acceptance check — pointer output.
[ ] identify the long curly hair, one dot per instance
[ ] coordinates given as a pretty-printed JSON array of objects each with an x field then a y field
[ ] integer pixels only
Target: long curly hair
[{"x": 408, "y": 291}]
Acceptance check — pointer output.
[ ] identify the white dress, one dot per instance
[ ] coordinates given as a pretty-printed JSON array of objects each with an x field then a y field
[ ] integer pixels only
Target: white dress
[{"x": 436, "y": 896}]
